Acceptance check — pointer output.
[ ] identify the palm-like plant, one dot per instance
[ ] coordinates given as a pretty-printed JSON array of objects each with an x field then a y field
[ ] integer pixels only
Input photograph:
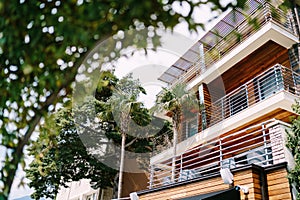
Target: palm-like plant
[
  {"x": 125, "y": 108},
  {"x": 177, "y": 102}
]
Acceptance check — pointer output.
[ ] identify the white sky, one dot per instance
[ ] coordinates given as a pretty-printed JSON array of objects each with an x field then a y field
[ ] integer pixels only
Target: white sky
[{"x": 147, "y": 68}]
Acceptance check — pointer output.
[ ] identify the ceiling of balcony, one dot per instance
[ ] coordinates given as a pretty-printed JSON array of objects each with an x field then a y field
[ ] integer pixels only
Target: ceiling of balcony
[{"x": 181, "y": 65}]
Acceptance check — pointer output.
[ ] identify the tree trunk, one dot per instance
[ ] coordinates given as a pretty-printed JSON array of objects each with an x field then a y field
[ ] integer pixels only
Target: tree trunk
[
  {"x": 17, "y": 155},
  {"x": 175, "y": 140},
  {"x": 121, "y": 165}
]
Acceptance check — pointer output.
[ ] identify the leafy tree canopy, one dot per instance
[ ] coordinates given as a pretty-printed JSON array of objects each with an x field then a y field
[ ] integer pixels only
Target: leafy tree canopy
[
  {"x": 42, "y": 44},
  {"x": 69, "y": 148}
]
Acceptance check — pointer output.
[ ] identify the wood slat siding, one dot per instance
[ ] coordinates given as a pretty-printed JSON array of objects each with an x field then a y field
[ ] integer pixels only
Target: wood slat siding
[
  {"x": 278, "y": 185},
  {"x": 261, "y": 182},
  {"x": 206, "y": 186},
  {"x": 247, "y": 178},
  {"x": 260, "y": 60},
  {"x": 134, "y": 182}
]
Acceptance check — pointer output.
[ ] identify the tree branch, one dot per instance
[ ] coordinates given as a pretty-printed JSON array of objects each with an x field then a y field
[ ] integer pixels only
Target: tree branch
[{"x": 131, "y": 142}]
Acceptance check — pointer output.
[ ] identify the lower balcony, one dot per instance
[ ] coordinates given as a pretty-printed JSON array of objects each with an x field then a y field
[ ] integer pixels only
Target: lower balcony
[
  {"x": 262, "y": 144},
  {"x": 251, "y": 182}
]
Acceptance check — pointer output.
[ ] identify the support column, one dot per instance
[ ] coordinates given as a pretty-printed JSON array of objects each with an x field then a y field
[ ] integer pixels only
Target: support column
[
  {"x": 204, "y": 100},
  {"x": 280, "y": 152},
  {"x": 202, "y": 58}
]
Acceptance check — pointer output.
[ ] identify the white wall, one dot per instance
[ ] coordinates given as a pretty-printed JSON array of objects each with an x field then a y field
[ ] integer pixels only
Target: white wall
[{"x": 78, "y": 190}]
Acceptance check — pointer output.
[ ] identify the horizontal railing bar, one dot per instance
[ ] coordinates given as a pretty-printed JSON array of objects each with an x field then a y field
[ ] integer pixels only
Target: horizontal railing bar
[
  {"x": 193, "y": 154},
  {"x": 234, "y": 151},
  {"x": 243, "y": 136}
]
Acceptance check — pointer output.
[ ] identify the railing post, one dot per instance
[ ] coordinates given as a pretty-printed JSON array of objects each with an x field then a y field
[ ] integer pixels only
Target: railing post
[
  {"x": 267, "y": 13},
  {"x": 151, "y": 177},
  {"x": 202, "y": 105},
  {"x": 221, "y": 153},
  {"x": 202, "y": 58},
  {"x": 246, "y": 91},
  {"x": 279, "y": 77},
  {"x": 180, "y": 163},
  {"x": 265, "y": 143},
  {"x": 222, "y": 109}
]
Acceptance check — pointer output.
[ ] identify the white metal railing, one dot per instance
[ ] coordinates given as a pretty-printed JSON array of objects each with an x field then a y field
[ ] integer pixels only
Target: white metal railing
[
  {"x": 266, "y": 84},
  {"x": 261, "y": 144},
  {"x": 262, "y": 15},
  {"x": 270, "y": 82}
]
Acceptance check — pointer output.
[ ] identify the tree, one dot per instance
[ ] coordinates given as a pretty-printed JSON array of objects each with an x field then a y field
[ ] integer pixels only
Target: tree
[
  {"x": 42, "y": 44},
  {"x": 125, "y": 106},
  {"x": 177, "y": 102},
  {"x": 63, "y": 158},
  {"x": 293, "y": 143},
  {"x": 69, "y": 142}
]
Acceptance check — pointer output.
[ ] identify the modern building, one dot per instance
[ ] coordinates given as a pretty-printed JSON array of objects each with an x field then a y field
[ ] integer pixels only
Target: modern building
[
  {"x": 82, "y": 190},
  {"x": 246, "y": 73}
]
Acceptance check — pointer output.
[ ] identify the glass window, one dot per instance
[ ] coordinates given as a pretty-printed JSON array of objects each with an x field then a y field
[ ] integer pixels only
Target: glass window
[
  {"x": 270, "y": 83},
  {"x": 238, "y": 101},
  {"x": 192, "y": 127},
  {"x": 189, "y": 127}
]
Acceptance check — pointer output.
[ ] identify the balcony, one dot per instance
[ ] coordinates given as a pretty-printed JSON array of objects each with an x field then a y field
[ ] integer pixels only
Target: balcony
[
  {"x": 261, "y": 144},
  {"x": 231, "y": 40},
  {"x": 258, "y": 89}
]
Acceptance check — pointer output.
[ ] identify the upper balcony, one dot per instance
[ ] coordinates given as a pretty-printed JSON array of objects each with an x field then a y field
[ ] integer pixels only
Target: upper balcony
[
  {"x": 269, "y": 93},
  {"x": 233, "y": 38},
  {"x": 253, "y": 93}
]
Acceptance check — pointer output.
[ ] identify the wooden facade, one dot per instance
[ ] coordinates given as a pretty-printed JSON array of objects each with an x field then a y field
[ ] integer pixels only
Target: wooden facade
[
  {"x": 278, "y": 185},
  {"x": 134, "y": 182},
  {"x": 254, "y": 64},
  {"x": 263, "y": 183},
  {"x": 244, "y": 74}
]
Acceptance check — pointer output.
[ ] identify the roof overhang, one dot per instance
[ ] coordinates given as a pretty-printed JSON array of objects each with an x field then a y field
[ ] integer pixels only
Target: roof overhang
[{"x": 270, "y": 31}]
